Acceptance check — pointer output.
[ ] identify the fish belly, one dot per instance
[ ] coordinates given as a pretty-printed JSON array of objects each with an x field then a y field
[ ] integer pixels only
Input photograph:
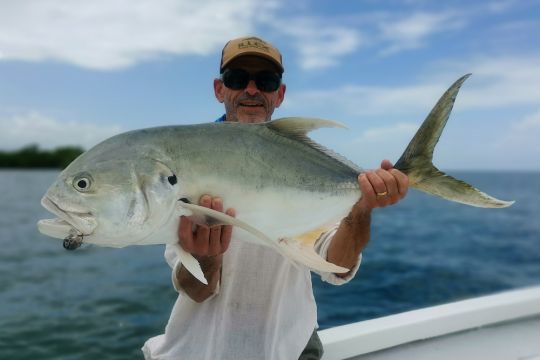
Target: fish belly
[{"x": 280, "y": 212}]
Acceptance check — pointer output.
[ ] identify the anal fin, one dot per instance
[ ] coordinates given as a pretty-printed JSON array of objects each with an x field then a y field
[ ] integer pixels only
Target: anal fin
[
  {"x": 304, "y": 254},
  {"x": 213, "y": 218},
  {"x": 311, "y": 236}
]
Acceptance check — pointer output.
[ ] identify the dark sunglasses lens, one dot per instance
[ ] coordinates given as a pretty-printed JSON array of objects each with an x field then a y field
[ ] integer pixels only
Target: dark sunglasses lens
[
  {"x": 236, "y": 79},
  {"x": 267, "y": 81}
]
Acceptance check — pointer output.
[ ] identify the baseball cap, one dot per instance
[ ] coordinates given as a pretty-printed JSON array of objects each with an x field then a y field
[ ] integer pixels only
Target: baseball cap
[{"x": 253, "y": 46}]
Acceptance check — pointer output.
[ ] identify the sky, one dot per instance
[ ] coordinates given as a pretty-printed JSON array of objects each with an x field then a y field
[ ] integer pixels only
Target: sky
[{"x": 76, "y": 72}]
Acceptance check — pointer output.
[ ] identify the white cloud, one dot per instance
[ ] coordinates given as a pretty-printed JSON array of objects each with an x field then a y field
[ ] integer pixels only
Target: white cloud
[
  {"x": 379, "y": 134},
  {"x": 359, "y": 100},
  {"x": 518, "y": 148},
  {"x": 500, "y": 87},
  {"x": 34, "y": 128},
  {"x": 500, "y": 6},
  {"x": 319, "y": 43},
  {"x": 529, "y": 123},
  {"x": 384, "y": 142},
  {"x": 412, "y": 31},
  {"x": 523, "y": 134},
  {"x": 496, "y": 83},
  {"x": 368, "y": 147},
  {"x": 105, "y": 34}
]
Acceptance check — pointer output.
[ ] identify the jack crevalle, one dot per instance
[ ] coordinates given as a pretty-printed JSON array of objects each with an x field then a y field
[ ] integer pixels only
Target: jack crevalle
[{"x": 131, "y": 188}]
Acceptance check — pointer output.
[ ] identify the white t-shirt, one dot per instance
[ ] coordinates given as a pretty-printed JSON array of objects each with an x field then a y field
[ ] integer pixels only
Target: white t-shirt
[{"x": 264, "y": 309}]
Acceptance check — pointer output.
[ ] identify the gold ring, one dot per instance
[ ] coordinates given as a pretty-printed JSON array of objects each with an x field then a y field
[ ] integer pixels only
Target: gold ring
[{"x": 384, "y": 193}]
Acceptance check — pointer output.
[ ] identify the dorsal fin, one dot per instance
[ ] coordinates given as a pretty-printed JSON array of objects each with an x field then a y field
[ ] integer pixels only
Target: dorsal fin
[{"x": 297, "y": 128}]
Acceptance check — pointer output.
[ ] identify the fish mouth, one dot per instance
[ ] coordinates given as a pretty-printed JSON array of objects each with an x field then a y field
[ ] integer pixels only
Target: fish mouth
[{"x": 68, "y": 223}]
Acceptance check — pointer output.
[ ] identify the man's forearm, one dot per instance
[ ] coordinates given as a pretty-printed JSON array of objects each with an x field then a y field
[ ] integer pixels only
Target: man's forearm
[
  {"x": 196, "y": 290},
  {"x": 350, "y": 239}
]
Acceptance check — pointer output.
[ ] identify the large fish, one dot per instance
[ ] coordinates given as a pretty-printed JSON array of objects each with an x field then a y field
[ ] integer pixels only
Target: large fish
[{"x": 132, "y": 188}]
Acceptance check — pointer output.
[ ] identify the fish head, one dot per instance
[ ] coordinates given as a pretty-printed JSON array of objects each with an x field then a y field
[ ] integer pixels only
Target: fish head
[{"x": 111, "y": 202}]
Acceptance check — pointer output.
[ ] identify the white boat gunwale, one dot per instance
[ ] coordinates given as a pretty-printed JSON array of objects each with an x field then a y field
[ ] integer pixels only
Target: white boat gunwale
[{"x": 368, "y": 336}]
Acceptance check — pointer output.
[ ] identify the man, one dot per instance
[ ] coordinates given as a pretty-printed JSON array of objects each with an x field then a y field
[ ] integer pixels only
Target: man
[{"x": 257, "y": 305}]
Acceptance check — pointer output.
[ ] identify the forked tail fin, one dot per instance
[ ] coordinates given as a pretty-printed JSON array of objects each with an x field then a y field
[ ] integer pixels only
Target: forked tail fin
[{"x": 417, "y": 160}]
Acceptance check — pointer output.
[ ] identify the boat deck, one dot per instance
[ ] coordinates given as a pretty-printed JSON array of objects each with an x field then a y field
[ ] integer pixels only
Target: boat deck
[
  {"x": 515, "y": 340},
  {"x": 501, "y": 326}
]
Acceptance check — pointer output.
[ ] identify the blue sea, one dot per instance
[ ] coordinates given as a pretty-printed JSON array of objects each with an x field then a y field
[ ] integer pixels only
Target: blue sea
[{"x": 102, "y": 303}]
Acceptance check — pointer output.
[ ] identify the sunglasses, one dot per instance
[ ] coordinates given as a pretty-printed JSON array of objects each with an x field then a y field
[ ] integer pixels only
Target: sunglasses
[{"x": 238, "y": 79}]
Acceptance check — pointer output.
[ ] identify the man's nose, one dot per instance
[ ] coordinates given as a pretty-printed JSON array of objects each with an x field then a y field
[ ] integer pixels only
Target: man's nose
[{"x": 251, "y": 88}]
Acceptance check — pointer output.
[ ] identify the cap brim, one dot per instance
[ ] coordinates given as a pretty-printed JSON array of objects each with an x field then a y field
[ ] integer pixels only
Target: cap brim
[{"x": 256, "y": 54}]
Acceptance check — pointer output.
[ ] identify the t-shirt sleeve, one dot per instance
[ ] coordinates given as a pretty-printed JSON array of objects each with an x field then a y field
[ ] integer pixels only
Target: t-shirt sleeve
[
  {"x": 321, "y": 247},
  {"x": 171, "y": 257}
]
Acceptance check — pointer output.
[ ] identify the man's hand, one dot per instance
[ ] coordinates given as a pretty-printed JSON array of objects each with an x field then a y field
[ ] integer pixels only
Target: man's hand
[
  {"x": 207, "y": 245},
  {"x": 380, "y": 188},
  {"x": 205, "y": 241}
]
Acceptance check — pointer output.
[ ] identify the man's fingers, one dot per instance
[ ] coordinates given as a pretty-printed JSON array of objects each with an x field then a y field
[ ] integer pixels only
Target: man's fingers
[
  {"x": 368, "y": 192},
  {"x": 205, "y": 200},
  {"x": 205, "y": 240},
  {"x": 185, "y": 234},
  {"x": 386, "y": 165},
  {"x": 383, "y": 190},
  {"x": 214, "y": 244},
  {"x": 402, "y": 181},
  {"x": 382, "y": 187},
  {"x": 226, "y": 232},
  {"x": 401, "y": 178},
  {"x": 390, "y": 182},
  {"x": 201, "y": 240},
  {"x": 200, "y": 237},
  {"x": 376, "y": 182}
]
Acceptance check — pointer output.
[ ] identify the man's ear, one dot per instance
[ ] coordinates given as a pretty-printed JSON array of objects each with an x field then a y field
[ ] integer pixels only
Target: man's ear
[
  {"x": 281, "y": 94},
  {"x": 218, "y": 90}
]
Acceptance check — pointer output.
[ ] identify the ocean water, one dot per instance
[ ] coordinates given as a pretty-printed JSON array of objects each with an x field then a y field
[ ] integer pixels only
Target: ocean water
[{"x": 97, "y": 303}]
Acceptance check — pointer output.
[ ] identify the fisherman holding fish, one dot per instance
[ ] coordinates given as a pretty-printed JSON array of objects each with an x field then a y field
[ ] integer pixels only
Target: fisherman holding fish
[
  {"x": 245, "y": 295},
  {"x": 257, "y": 304}
]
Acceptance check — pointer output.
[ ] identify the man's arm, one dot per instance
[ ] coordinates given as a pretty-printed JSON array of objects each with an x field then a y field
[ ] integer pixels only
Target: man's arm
[
  {"x": 353, "y": 232},
  {"x": 207, "y": 245}
]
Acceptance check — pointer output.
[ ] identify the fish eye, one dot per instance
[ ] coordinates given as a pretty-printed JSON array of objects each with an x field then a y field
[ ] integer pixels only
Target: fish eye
[
  {"x": 82, "y": 183},
  {"x": 172, "y": 179}
]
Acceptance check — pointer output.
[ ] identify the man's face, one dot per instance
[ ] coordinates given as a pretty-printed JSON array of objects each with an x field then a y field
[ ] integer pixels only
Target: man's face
[{"x": 249, "y": 105}]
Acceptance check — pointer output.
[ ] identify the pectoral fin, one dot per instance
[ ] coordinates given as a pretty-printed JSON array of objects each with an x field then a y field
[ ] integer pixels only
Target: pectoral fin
[
  {"x": 206, "y": 216},
  {"x": 190, "y": 263},
  {"x": 292, "y": 249}
]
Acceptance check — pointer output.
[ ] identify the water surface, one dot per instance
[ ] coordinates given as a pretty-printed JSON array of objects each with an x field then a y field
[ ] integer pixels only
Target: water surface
[{"x": 97, "y": 303}]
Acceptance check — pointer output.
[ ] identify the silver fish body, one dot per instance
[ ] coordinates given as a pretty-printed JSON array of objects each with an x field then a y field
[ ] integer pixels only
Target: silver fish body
[
  {"x": 268, "y": 178},
  {"x": 126, "y": 190}
]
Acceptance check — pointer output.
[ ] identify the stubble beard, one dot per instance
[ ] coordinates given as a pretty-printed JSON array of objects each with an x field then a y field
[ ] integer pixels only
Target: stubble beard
[{"x": 236, "y": 113}]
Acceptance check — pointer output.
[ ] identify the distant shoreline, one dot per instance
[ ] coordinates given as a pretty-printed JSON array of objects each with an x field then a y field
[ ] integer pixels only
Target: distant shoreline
[{"x": 31, "y": 157}]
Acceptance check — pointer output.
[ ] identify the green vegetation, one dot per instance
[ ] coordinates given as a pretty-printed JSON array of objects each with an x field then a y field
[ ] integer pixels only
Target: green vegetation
[{"x": 32, "y": 157}]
